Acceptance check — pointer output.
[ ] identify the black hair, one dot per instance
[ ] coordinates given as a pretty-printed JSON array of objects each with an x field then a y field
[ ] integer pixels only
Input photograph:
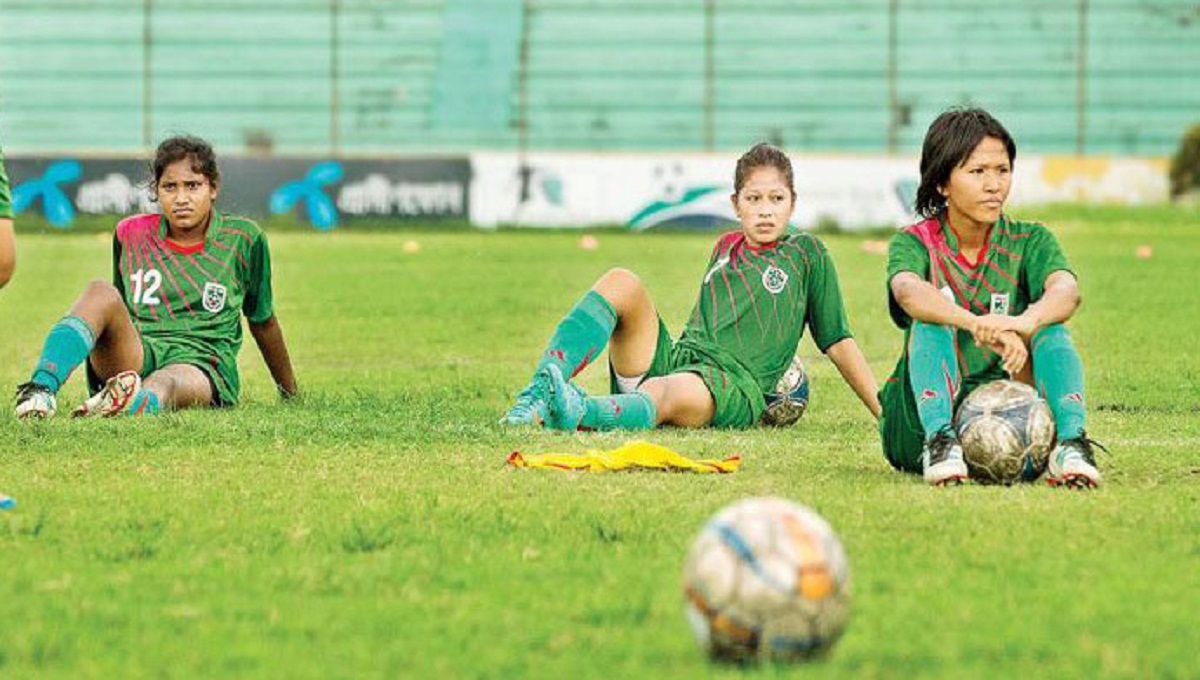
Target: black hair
[
  {"x": 763, "y": 155},
  {"x": 949, "y": 142},
  {"x": 175, "y": 149}
]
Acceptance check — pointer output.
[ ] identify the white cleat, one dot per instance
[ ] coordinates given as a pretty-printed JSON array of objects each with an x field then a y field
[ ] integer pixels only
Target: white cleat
[
  {"x": 942, "y": 460},
  {"x": 113, "y": 399},
  {"x": 34, "y": 402},
  {"x": 1073, "y": 465}
]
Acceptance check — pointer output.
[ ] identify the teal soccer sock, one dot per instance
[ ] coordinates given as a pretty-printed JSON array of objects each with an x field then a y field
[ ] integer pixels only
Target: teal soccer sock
[
  {"x": 1058, "y": 373},
  {"x": 67, "y": 345},
  {"x": 633, "y": 411},
  {"x": 144, "y": 403},
  {"x": 933, "y": 375},
  {"x": 581, "y": 335}
]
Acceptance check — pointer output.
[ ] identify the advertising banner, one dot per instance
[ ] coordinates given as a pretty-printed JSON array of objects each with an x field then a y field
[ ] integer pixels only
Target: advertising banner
[
  {"x": 643, "y": 191},
  {"x": 321, "y": 192}
]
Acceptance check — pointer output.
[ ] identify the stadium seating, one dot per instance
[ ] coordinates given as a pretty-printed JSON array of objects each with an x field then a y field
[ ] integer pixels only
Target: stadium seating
[{"x": 399, "y": 76}]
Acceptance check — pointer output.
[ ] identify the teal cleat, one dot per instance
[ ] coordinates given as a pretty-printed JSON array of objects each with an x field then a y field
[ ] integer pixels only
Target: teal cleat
[
  {"x": 530, "y": 408},
  {"x": 567, "y": 402}
]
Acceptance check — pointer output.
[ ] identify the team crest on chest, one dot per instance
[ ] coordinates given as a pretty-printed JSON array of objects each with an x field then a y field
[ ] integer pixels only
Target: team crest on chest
[
  {"x": 1000, "y": 303},
  {"x": 214, "y": 296},
  {"x": 774, "y": 279}
]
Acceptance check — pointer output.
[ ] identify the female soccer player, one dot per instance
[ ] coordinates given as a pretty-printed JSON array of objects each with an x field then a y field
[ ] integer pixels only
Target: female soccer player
[
  {"x": 166, "y": 333},
  {"x": 977, "y": 293},
  {"x": 760, "y": 288},
  {"x": 8, "y": 248}
]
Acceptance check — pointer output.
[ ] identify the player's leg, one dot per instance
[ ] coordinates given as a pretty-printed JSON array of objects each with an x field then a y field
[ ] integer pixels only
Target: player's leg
[
  {"x": 177, "y": 386},
  {"x": 680, "y": 399},
  {"x": 616, "y": 307},
  {"x": 934, "y": 379},
  {"x": 1058, "y": 376},
  {"x": 900, "y": 425},
  {"x": 96, "y": 327}
]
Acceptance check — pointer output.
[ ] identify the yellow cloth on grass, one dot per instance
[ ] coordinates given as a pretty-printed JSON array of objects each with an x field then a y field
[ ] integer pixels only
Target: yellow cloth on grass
[{"x": 632, "y": 456}]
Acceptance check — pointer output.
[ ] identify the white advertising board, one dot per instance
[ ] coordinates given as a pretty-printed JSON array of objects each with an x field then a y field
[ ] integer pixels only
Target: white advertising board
[{"x": 644, "y": 191}]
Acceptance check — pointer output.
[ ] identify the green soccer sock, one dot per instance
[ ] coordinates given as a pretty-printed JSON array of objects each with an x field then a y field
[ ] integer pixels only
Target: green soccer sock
[
  {"x": 632, "y": 411},
  {"x": 581, "y": 335},
  {"x": 67, "y": 345},
  {"x": 1058, "y": 373},
  {"x": 933, "y": 375}
]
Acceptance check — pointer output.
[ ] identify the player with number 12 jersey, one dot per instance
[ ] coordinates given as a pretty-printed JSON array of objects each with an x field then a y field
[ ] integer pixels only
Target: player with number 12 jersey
[{"x": 166, "y": 332}]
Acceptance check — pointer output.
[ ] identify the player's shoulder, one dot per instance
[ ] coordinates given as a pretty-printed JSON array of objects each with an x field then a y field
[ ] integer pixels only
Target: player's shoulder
[
  {"x": 1022, "y": 228},
  {"x": 136, "y": 226},
  {"x": 239, "y": 227},
  {"x": 810, "y": 244},
  {"x": 726, "y": 242},
  {"x": 924, "y": 232}
]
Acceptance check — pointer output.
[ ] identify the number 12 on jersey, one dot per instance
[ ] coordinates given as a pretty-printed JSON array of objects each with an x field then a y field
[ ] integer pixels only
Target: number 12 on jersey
[{"x": 145, "y": 286}]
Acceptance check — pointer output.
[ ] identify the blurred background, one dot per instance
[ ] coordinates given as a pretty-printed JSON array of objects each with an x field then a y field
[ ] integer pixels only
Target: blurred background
[{"x": 668, "y": 83}]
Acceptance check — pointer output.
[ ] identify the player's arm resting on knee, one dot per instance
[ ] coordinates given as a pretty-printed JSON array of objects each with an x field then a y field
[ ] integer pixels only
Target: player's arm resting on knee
[
  {"x": 8, "y": 251},
  {"x": 921, "y": 301},
  {"x": 1060, "y": 298},
  {"x": 269, "y": 337},
  {"x": 853, "y": 366}
]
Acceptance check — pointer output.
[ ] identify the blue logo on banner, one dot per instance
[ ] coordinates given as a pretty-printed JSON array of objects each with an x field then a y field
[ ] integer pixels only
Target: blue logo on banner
[
  {"x": 55, "y": 205},
  {"x": 320, "y": 208}
]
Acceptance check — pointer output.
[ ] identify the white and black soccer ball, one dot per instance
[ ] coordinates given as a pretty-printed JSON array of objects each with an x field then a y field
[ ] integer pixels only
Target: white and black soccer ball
[
  {"x": 1006, "y": 431},
  {"x": 766, "y": 579},
  {"x": 788, "y": 401}
]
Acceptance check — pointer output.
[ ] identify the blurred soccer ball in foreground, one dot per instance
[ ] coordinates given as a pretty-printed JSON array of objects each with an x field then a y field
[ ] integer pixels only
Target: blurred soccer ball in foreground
[
  {"x": 787, "y": 403},
  {"x": 766, "y": 579},
  {"x": 1006, "y": 431}
]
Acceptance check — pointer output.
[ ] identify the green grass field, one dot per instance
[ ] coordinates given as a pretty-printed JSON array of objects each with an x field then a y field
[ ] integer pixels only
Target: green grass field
[{"x": 372, "y": 530}]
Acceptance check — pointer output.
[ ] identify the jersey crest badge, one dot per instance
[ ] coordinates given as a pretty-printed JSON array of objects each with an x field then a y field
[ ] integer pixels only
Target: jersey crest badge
[
  {"x": 1000, "y": 303},
  {"x": 214, "y": 296},
  {"x": 774, "y": 279}
]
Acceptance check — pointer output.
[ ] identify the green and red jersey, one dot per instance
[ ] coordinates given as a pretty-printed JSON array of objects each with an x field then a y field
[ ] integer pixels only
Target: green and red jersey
[
  {"x": 1007, "y": 276},
  {"x": 755, "y": 302},
  {"x": 5, "y": 191},
  {"x": 194, "y": 295}
]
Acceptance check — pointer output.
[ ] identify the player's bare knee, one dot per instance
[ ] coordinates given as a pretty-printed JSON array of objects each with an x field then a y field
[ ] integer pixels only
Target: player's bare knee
[
  {"x": 622, "y": 289},
  {"x": 101, "y": 293}
]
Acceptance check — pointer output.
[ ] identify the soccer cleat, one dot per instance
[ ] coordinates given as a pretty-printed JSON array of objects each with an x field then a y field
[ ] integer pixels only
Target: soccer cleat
[
  {"x": 566, "y": 402},
  {"x": 942, "y": 459},
  {"x": 530, "y": 408},
  {"x": 34, "y": 401},
  {"x": 1073, "y": 464},
  {"x": 113, "y": 399}
]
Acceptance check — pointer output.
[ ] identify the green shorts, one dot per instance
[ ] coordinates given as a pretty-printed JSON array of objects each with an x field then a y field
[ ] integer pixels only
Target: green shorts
[
  {"x": 162, "y": 352},
  {"x": 900, "y": 422},
  {"x": 736, "y": 395},
  {"x": 900, "y": 425}
]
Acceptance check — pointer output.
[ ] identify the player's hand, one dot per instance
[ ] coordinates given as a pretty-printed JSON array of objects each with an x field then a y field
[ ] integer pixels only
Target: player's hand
[
  {"x": 987, "y": 328},
  {"x": 1012, "y": 350}
]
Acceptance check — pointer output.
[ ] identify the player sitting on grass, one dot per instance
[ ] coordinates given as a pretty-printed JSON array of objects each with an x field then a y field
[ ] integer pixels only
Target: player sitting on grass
[
  {"x": 758, "y": 291},
  {"x": 181, "y": 281},
  {"x": 977, "y": 292},
  {"x": 8, "y": 249}
]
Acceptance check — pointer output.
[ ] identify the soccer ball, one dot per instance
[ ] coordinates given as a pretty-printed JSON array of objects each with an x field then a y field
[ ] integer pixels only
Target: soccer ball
[
  {"x": 766, "y": 579},
  {"x": 1006, "y": 431},
  {"x": 787, "y": 403}
]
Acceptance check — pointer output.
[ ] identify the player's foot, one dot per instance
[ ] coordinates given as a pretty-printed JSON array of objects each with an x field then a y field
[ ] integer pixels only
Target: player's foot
[
  {"x": 113, "y": 399},
  {"x": 566, "y": 402},
  {"x": 530, "y": 408},
  {"x": 942, "y": 459},
  {"x": 1073, "y": 464},
  {"x": 34, "y": 401}
]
